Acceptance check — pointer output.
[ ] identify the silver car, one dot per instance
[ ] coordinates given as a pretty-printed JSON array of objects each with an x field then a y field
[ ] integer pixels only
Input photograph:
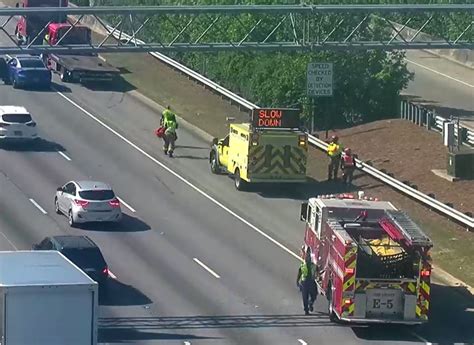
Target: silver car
[{"x": 87, "y": 201}]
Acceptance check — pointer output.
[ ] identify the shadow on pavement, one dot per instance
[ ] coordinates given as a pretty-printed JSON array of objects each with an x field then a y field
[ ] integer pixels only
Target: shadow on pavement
[
  {"x": 37, "y": 145},
  {"x": 303, "y": 191},
  {"x": 120, "y": 294},
  {"x": 126, "y": 335},
  {"x": 193, "y": 147},
  {"x": 127, "y": 224},
  {"x": 450, "y": 321},
  {"x": 118, "y": 85},
  {"x": 452, "y": 316},
  {"x": 55, "y": 87},
  {"x": 191, "y": 157},
  {"x": 159, "y": 323}
]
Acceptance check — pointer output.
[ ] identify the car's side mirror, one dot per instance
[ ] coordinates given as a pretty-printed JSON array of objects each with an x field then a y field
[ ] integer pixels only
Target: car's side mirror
[
  {"x": 59, "y": 189},
  {"x": 215, "y": 141}
]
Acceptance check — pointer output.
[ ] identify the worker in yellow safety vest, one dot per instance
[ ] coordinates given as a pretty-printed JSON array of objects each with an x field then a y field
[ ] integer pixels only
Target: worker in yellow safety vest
[
  {"x": 46, "y": 40},
  {"x": 306, "y": 282},
  {"x": 334, "y": 151}
]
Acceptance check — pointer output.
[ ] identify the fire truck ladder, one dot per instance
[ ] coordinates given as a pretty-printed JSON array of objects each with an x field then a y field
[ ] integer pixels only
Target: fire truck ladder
[{"x": 410, "y": 230}]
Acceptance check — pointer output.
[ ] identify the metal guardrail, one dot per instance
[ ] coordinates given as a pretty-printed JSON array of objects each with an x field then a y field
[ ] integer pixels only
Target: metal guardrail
[
  {"x": 316, "y": 142},
  {"x": 423, "y": 116}
]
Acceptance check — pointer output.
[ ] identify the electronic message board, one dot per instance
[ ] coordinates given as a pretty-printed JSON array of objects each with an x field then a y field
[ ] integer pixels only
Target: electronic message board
[{"x": 275, "y": 118}]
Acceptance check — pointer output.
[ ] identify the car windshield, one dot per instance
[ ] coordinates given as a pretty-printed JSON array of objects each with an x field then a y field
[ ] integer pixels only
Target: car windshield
[
  {"x": 17, "y": 118},
  {"x": 31, "y": 63},
  {"x": 97, "y": 194},
  {"x": 85, "y": 257}
]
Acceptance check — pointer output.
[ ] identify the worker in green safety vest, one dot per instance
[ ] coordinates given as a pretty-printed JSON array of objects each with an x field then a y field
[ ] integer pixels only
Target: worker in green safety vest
[
  {"x": 169, "y": 122},
  {"x": 306, "y": 282}
]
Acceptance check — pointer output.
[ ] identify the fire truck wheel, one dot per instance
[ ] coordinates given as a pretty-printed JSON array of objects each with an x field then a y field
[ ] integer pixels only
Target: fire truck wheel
[
  {"x": 214, "y": 163},
  {"x": 239, "y": 183},
  {"x": 331, "y": 313}
]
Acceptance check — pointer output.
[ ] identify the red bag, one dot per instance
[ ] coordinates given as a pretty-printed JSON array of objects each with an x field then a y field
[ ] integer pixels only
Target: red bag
[{"x": 160, "y": 132}]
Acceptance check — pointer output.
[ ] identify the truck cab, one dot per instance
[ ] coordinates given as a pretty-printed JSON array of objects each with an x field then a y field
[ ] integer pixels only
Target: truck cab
[
  {"x": 374, "y": 260},
  {"x": 258, "y": 152},
  {"x": 65, "y": 33},
  {"x": 29, "y": 28}
]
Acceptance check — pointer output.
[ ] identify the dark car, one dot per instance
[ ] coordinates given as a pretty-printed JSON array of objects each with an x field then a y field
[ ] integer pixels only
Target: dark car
[
  {"x": 83, "y": 252},
  {"x": 27, "y": 70}
]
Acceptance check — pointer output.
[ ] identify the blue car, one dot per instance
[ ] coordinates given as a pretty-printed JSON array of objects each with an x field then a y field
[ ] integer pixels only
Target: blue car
[{"x": 27, "y": 70}]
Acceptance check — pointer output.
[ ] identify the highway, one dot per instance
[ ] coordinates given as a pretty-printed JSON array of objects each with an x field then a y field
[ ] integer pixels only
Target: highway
[
  {"x": 160, "y": 292},
  {"x": 443, "y": 85},
  {"x": 194, "y": 260}
]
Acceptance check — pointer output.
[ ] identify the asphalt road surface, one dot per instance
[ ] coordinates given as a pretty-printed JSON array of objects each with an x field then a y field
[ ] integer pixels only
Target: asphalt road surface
[
  {"x": 443, "y": 85},
  {"x": 194, "y": 260}
]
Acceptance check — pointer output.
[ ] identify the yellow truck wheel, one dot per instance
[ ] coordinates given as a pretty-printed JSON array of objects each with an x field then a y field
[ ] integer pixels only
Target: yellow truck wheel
[
  {"x": 214, "y": 163},
  {"x": 238, "y": 182}
]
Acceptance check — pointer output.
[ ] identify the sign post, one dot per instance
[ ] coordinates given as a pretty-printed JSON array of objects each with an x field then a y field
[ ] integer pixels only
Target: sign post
[{"x": 319, "y": 83}]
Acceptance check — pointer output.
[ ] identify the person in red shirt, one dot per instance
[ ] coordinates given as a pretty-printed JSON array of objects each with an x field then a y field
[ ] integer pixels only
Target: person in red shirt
[{"x": 348, "y": 166}]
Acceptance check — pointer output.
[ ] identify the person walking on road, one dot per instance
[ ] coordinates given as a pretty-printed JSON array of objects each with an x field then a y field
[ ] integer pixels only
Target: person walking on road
[
  {"x": 348, "y": 166},
  {"x": 334, "y": 153},
  {"x": 169, "y": 123},
  {"x": 306, "y": 282}
]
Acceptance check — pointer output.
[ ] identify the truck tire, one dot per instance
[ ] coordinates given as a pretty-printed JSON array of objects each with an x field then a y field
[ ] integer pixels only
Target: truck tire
[
  {"x": 214, "y": 163},
  {"x": 64, "y": 75},
  {"x": 331, "y": 313},
  {"x": 240, "y": 184}
]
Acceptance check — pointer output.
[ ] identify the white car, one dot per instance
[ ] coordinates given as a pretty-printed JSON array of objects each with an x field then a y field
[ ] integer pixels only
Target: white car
[
  {"x": 87, "y": 201},
  {"x": 16, "y": 124}
]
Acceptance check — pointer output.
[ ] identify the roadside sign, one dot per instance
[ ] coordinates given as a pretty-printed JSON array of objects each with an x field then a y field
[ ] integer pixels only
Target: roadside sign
[
  {"x": 275, "y": 118},
  {"x": 319, "y": 79}
]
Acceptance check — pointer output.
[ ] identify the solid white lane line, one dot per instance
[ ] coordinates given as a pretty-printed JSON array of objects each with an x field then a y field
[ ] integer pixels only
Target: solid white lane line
[
  {"x": 111, "y": 275},
  {"x": 206, "y": 268},
  {"x": 64, "y": 155},
  {"x": 439, "y": 73},
  {"x": 302, "y": 342},
  {"x": 187, "y": 343},
  {"x": 8, "y": 240},
  {"x": 38, "y": 206},
  {"x": 421, "y": 338},
  {"x": 179, "y": 177},
  {"x": 182, "y": 179},
  {"x": 126, "y": 205}
]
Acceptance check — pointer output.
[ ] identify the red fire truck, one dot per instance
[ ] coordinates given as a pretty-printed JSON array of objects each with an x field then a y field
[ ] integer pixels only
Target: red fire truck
[{"x": 373, "y": 260}]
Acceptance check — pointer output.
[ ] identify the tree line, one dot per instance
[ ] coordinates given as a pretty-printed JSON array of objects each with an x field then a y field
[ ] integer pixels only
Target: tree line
[{"x": 367, "y": 84}]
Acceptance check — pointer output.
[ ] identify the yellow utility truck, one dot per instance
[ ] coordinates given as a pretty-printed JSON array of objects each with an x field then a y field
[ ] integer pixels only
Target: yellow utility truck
[{"x": 270, "y": 148}]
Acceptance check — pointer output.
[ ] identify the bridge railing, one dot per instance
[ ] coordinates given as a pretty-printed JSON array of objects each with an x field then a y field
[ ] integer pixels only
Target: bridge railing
[{"x": 423, "y": 116}]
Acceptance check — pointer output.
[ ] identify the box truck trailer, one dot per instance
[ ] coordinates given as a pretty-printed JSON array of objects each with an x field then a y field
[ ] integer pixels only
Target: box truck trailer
[{"x": 46, "y": 300}]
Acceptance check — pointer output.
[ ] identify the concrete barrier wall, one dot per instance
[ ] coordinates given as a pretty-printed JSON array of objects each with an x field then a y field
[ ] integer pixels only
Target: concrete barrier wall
[{"x": 464, "y": 57}]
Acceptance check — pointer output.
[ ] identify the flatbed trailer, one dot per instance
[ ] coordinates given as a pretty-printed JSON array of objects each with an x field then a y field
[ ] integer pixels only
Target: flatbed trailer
[{"x": 82, "y": 68}]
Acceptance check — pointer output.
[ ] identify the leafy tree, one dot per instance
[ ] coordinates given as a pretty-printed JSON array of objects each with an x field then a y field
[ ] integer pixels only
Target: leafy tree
[{"x": 367, "y": 83}]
